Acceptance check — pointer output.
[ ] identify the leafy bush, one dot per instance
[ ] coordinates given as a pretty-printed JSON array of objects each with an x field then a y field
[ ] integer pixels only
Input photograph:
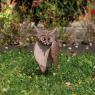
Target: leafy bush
[
  {"x": 59, "y": 13},
  {"x": 51, "y": 13},
  {"x": 8, "y": 26}
]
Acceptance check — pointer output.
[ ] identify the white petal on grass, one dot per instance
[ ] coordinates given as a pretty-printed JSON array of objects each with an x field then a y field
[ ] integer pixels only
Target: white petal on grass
[
  {"x": 69, "y": 85},
  {"x": 87, "y": 48},
  {"x": 70, "y": 48},
  {"x": 64, "y": 45},
  {"x": 54, "y": 74},
  {"x": 68, "y": 60},
  {"x": 6, "y": 47},
  {"x": 76, "y": 46},
  {"x": 90, "y": 44},
  {"x": 31, "y": 51},
  {"x": 4, "y": 90},
  {"x": 93, "y": 67}
]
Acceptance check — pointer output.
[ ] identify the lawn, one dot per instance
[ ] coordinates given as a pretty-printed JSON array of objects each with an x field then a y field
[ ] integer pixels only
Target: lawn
[{"x": 19, "y": 75}]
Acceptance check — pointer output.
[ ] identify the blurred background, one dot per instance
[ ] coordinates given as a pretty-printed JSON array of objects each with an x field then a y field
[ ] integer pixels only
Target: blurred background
[{"x": 74, "y": 18}]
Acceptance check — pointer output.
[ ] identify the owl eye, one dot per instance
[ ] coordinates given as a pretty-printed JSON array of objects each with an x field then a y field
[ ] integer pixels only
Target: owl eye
[
  {"x": 44, "y": 38},
  {"x": 48, "y": 39}
]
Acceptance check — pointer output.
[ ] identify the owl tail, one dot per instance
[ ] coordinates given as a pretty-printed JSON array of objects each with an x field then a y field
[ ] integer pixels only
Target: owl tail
[{"x": 43, "y": 69}]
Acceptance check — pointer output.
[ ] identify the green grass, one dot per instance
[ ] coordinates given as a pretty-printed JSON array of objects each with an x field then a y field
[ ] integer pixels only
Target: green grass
[{"x": 19, "y": 75}]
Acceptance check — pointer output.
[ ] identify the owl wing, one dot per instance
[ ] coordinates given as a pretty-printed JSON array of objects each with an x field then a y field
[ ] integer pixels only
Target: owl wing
[{"x": 55, "y": 52}]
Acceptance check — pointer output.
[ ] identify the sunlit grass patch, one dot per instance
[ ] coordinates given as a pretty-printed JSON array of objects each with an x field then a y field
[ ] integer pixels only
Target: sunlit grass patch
[{"x": 19, "y": 75}]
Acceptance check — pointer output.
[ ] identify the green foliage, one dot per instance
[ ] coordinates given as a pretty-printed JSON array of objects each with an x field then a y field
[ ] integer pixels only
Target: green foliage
[
  {"x": 51, "y": 13},
  {"x": 19, "y": 75},
  {"x": 59, "y": 13},
  {"x": 8, "y": 25},
  {"x": 48, "y": 13}
]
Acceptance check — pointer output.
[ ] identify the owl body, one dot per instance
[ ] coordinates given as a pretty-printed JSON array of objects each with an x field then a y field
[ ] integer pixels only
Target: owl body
[
  {"x": 46, "y": 49},
  {"x": 42, "y": 56}
]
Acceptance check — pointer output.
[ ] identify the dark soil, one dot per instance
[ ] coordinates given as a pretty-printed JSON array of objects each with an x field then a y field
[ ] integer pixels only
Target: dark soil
[{"x": 69, "y": 48}]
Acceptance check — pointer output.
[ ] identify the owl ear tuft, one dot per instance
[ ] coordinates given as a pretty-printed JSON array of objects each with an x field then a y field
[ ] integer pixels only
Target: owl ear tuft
[
  {"x": 35, "y": 28},
  {"x": 54, "y": 31}
]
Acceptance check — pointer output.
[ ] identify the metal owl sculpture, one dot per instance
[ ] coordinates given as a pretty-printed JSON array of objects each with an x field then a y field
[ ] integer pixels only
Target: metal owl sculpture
[{"x": 46, "y": 48}]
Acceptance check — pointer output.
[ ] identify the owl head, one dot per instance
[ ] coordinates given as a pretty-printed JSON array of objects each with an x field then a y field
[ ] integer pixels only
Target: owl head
[{"x": 45, "y": 36}]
